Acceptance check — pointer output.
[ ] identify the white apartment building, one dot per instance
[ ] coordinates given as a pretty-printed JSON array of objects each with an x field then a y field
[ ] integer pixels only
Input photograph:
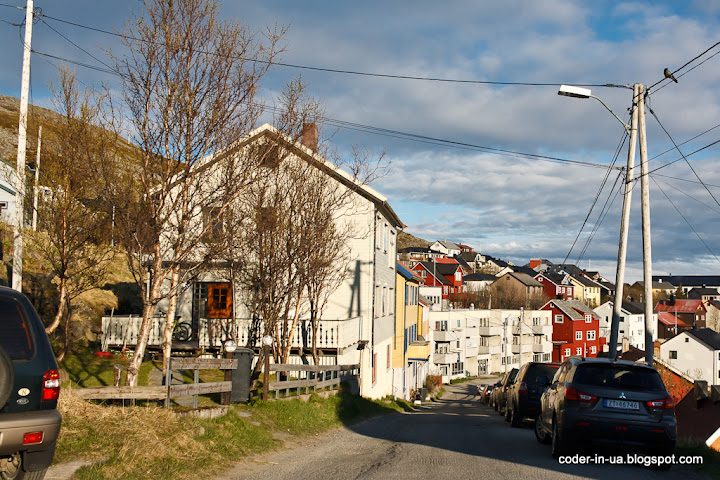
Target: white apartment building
[
  {"x": 631, "y": 330},
  {"x": 479, "y": 342}
]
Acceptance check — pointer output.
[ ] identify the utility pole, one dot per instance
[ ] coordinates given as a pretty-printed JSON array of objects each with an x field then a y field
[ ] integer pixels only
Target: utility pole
[
  {"x": 22, "y": 145},
  {"x": 647, "y": 247},
  {"x": 622, "y": 248},
  {"x": 37, "y": 175},
  {"x": 504, "y": 344}
]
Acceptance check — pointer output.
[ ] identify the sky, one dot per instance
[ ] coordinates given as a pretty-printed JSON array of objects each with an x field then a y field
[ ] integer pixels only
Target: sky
[{"x": 508, "y": 167}]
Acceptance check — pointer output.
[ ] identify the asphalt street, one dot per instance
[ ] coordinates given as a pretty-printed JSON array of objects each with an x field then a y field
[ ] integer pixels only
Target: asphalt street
[{"x": 454, "y": 438}]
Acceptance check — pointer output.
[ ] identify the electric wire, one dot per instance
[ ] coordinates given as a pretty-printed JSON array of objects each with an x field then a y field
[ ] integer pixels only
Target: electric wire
[
  {"x": 76, "y": 45},
  {"x": 688, "y": 195},
  {"x": 683, "y": 143},
  {"x": 685, "y": 65},
  {"x": 686, "y": 220},
  {"x": 683, "y": 156},
  {"x": 359, "y": 73},
  {"x": 597, "y": 196},
  {"x": 683, "y": 74}
]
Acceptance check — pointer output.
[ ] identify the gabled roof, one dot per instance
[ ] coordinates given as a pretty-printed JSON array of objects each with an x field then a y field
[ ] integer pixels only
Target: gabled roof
[
  {"x": 554, "y": 278},
  {"x": 689, "y": 280},
  {"x": 469, "y": 256},
  {"x": 416, "y": 250},
  {"x": 574, "y": 309},
  {"x": 657, "y": 285},
  {"x": 703, "y": 291},
  {"x": 680, "y": 306},
  {"x": 584, "y": 281},
  {"x": 449, "y": 245},
  {"x": 708, "y": 336},
  {"x": 523, "y": 278},
  {"x": 635, "y": 308},
  {"x": 526, "y": 270},
  {"x": 463, "y": 263},
  {"x": 667, "y": 318},
  {"x": 449, "y": 261},
  {"x": 433, "y": 269},
  {"x": 275, "y": 135},
  {"x": 479, "y": 277}
]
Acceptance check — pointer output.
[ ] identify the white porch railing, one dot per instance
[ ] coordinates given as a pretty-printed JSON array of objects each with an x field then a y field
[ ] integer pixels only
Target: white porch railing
[{"x": 121, "y": 331}]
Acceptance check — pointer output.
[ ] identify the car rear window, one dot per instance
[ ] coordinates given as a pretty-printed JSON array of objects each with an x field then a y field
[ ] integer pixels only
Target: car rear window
[
  {"x": 618, "y": 376},
  {"x": 538, "y": 370},
  {"x": 15, "y": 336}
]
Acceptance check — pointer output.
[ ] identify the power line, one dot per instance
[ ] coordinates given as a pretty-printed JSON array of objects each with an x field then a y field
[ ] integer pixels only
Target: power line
[
  {"x": 689, "y": 196},
  {"x": 685, "y": 65},
  {"x": 686, "y": 221},
  {"x": 683, "y": 143},
  {"x": 76, "y": 45},
  {"x": 684, "y": 156},
  {"x": 682, "y": 75},
  {"x": 680, "y": 152},
  {"x": 359, "y": 73}
]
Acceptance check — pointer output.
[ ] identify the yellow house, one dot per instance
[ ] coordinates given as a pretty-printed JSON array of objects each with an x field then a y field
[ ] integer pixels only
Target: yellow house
[
  {"x": 410, "y": 350},
  {"x": 586, "y": 290}
]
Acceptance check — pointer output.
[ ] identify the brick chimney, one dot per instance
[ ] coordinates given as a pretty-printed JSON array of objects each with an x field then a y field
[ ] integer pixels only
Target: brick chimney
[{"x": 310, "y": 136}]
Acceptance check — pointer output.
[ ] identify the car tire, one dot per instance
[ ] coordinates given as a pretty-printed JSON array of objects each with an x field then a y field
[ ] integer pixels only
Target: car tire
[
  {"x": 540, "y": 433},
  {"x": 558, "y": 443},
  {"x": 515, "y": 419},
  {"x": 15, "y": 471},
  {"x": 7, "y": 377}
]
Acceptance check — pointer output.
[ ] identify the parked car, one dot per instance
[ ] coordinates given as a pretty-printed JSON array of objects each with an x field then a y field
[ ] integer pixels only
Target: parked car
[
  {"x": 487, "y": 395},
  {"x": 619, "y": 404},
  {"x": 29, "y": 389},
  {"x": 501, "y": 394},
  {"x": 523, "y": 396},
  {"x": 481, "y": 390}
]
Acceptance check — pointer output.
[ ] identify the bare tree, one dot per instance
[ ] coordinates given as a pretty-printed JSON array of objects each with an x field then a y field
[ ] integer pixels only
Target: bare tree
[
  {"x": 70, "y": 219},
  {"x": 189, "y": 84}
]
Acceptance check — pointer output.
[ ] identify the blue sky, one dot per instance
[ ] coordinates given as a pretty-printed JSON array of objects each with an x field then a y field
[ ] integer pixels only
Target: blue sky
[{"x": 507, "y": 206}]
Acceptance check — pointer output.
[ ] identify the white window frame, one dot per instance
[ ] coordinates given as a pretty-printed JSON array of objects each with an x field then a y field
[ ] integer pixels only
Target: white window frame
[
  {"x": 588, "y": 318},
  {"x": 591, "y": 334},
  {"x": 578, "y": 351},
  {"x": 559, "y": 318},
  {"x": 578, "y": 335}
]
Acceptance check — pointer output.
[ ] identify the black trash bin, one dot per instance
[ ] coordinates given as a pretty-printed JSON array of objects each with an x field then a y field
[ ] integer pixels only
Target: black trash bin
[
  {"x": 423, "y": 394},
  {"x": 240, "y": 392}
]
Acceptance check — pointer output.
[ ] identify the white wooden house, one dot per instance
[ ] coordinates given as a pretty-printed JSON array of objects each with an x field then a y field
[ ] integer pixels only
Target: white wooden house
[{"x": 357, "y": 326}]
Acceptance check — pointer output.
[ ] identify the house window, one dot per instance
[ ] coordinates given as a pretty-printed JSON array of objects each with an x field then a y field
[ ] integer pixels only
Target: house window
[
  {"x": 567, "y": 352},
  {"x": 588, "y": 318},
  {"x": 591, "y": 334},
  {"x": 578, "y": 351},
  {"x": 269, "y": 156},
  {"x": 578, "y": 335},
  {"x": 593, "y": 349},
  {"x": 213, "y": 224},
  {"x": 546, "y": 357},
  {"x": 558, "y": 319},
  {"x": 673, "y": 354},
  {"x": 687, "y": 340},
  {"x": 219, "y": 301}
]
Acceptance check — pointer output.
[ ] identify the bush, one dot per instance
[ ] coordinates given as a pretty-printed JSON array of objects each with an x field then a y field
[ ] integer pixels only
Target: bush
[{"x": 433, "y": 383}]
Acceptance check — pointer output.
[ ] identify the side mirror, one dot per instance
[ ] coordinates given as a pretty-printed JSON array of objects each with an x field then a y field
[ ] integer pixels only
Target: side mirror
[{"x": 543, "y": 381}]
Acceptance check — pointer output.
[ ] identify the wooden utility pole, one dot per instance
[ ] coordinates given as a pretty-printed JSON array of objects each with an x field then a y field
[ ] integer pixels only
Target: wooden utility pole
[
  {"x": 647, "y": 247},
  {"x": 22, "y": 146},
  {"x": 624, "y": 223},
  {"x": 37, "y": 176}
]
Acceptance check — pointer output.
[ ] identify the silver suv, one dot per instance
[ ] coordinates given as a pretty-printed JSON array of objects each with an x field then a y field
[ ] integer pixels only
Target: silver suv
[
  {"x": 29, "y": 389},
  {"x": 598, "y": 402}
]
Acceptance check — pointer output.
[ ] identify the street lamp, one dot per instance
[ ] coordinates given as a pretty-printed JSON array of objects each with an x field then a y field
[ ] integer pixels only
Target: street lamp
[
  {"x": 638, "y": 118},
  {"x": 578, "y": 92},
  {"x": 267, "y": 341}
]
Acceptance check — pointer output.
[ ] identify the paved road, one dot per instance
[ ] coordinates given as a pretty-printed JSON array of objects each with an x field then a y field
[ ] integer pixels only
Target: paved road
[{"x": 455, "y": 438}]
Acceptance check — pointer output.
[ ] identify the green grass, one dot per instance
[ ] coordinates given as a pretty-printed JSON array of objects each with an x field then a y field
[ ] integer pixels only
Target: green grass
[
  {"x": 140, "y": 442},
  {"x": 462, "y": 380},
  {"x": 87, "y": 370}
]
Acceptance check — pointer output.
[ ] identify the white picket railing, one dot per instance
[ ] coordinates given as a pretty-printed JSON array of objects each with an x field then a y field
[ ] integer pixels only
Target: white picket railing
[{"x": 121, "y": 331}]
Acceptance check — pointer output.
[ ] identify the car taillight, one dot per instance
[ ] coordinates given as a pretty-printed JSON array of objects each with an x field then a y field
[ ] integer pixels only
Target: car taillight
[
  {"x": 32, "y": 438},
  {"x": 505, "y": 390},
  {"x": 574, "y": 394},
  {"x": 51, "y": 385},
  {"x": 522, "y": 388},
  {"x": 667, "y": 402}
]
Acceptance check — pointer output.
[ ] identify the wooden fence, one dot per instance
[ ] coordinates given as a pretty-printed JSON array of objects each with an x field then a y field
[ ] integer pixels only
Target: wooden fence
[
  {"x": 316, "y": 377},
  {"x": 168, "y": 391}
]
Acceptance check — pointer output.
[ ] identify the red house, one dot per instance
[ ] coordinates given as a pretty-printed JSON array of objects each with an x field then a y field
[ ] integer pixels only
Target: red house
[
  {"x": 555, "y": 286},
  {"x": 446, "y": 275},
  {"x": 575, "y": 329}
]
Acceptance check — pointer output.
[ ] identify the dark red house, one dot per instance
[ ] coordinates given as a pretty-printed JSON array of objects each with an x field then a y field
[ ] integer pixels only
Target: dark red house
[
  {"x": 575, "y": 329},
  {"x": 555, "y": 286},
  {"x": 449, "y": 276}
]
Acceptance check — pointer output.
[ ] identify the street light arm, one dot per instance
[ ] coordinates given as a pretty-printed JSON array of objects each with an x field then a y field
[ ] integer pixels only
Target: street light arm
[{"x": 627, "y": 127}]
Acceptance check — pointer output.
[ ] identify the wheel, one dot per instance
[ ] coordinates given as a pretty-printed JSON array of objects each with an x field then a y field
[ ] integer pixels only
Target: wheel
[
  {"x": 558, "y": 443},
  {"x": 515, "y": 419},
  {"x": 14, "y": 471},
  {"x": 540, "y": 433},
  {"x": 7, "y": 377},
  {"x": 182, "y": 332}
]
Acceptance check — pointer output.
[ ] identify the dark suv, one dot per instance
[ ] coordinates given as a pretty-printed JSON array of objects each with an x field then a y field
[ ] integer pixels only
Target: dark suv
[
  {"x": 618, "y": 404},
  {"x": 501, "y": 393},
  {"x": 523, "y": 396},
  {"x": 29, "y": 389}
]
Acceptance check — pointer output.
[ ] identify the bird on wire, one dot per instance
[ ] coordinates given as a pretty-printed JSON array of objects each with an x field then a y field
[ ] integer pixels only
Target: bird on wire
[{"x": 668, "y": 74}]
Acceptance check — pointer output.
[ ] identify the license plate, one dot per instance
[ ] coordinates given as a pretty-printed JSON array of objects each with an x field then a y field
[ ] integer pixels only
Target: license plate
[{"x": 621, "y": 404}]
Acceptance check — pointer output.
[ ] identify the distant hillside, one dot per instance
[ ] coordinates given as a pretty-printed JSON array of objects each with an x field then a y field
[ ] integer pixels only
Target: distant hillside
[{"x": 406, "y": 240}]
